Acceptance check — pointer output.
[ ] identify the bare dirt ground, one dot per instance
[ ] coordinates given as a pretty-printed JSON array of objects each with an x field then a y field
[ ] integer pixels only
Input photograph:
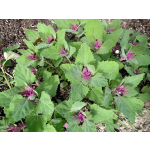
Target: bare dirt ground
[{"x": 12, "y": 32}]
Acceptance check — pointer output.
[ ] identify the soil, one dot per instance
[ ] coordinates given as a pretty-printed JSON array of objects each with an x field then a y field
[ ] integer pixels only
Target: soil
[{"x": 12, "y": 32}]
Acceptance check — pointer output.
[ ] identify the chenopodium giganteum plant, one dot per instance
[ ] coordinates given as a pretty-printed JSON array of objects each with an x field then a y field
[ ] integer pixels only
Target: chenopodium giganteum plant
[{"x": 85, "y": 62}]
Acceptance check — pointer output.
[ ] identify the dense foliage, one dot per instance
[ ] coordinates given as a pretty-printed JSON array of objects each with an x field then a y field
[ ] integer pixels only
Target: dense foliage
[{"x": 99, "y": 92}]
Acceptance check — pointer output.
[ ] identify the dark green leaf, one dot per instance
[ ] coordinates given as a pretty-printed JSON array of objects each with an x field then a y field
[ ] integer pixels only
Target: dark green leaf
[
  {"x": 36, "y": 123},
  {"x": 50, "y": 85}
]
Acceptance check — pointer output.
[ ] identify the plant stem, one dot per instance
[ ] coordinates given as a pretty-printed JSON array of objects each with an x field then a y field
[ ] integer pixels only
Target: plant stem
[
  {"x": 5, "y": 77},
  {"x": 68, "y": 59},
  {"x": 49, "y": 64}
]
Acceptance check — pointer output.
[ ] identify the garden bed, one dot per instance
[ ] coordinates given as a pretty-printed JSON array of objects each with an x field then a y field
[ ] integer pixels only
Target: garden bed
[{"x": 12, "y": 32}]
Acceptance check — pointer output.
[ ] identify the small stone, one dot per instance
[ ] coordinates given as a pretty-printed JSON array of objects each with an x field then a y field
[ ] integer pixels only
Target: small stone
[{"x": 117, "y": 52}]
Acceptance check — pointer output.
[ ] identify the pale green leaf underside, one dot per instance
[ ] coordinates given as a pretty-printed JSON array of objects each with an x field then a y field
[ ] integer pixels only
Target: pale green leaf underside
[{"x": 77, "y": 106}]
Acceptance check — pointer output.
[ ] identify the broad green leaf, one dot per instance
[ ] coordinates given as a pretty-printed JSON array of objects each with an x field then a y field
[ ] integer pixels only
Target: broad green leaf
[
  {"x": 104, "y": 23},
  {"x": 36, "y": 123},
  {"x": 15, "y": 90},
  {"x": 74, "y": 128},
  {"x": 77, "y": 45},
  {"x": 22, "y": 107},
  {"x": 83, "y": 22},
  {"x": 133, "y": 81},
  {"x": 115, "y": 24},
  {"x": 72, "y": 50},
  {"x": 47, "y": 30},
  {"x": 108, "y": 97},
  {"x": 91, "y": 68},
  {"x": 66, "y": 69},
  {"x": 114, "y": 36},
  {"x": 145, "y": 89},
  {"x": 98, "y": 81},
  {"x": 143, "y": 69},
  {"x": 124, "y": 42},
  {"x": 64, "y": 109},
  {"x": 5, "y": 99},
  {"x": 143, "y": 60},
  {"x": 45, "y": 104},
  {"x": 78, "y": 91},
  {"x": 23, "y": 60},
  {"x": 143, "y": 97},
  {"x": 49, "y": 128},
  {"x": 88, "y": 41},
  {"x": 137, "y": 49},
  {"x": 77, "y": 106},
  {"x": 85, "y": 55},
  {"x": 9, "y": 112},
  {"x": 130, "y": 91},
  {"x": 130, "y": 70},
  {"x": 62, "y": 23},
  {"x": 146, "y": 51},
  {"x": 142, "y": 39},
  {"x": 96, "y": 95},
  {"x": 76, "y": 72},
  {"x": 51, "y": 52},
  {"x": 109, "y": 69},
  {"x": 71, "y": 31},
  {"x": 100, "y": 114},
  {"x": 80, "y": 31},
  {"x": 30, "y": 46},
  {"x": 89, "y": 125},
  {"x": 94, "y": 29},
  {"x": 60, "y": 35},
  {"x": 134, "y": 36},
  {"x": 50, "y": 86},
  {"x": 3, "y": 124},
  {"x": 58, "y": 124},
  {"x": 129, "y": 106},
  {"x": 109, "y": 125},
  {"x": 10, "y": 55},
  {"x": 31, "y": 34},
  {"x": 57, "y": 62},
  {"x": 46, "y": 75},
  {"x": 43, "y": 46},
  {"x": 63, "y": 84},
  {"x": 11, "y": 48},
  {"x": 23, "y": 75},
  {"x": 106, "y": 46}
]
